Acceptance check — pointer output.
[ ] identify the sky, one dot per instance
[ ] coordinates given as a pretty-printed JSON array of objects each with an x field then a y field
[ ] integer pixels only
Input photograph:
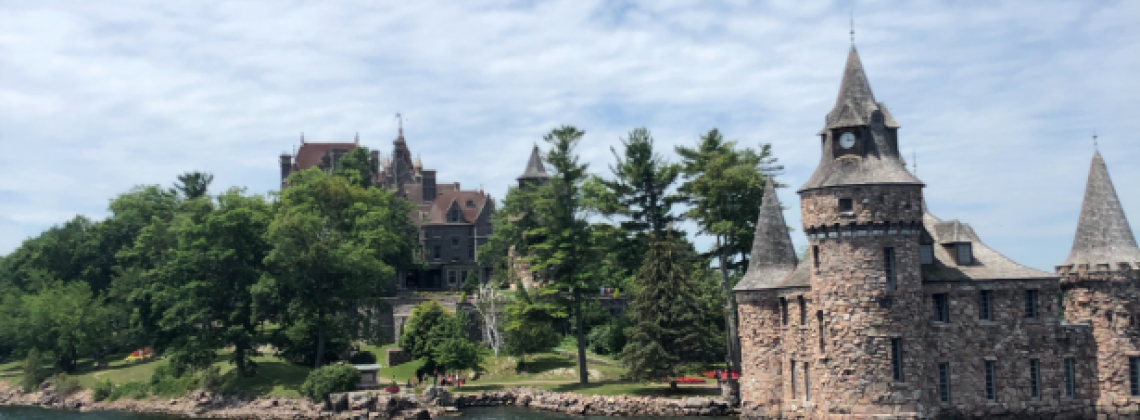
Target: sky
[{"x": 998, "y": 100}]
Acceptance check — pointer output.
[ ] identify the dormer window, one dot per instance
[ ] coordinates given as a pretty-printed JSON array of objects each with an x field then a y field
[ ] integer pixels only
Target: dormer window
[
  {"x": 470, "y": 204},
  {"x": 964, "y": 253},
  {"x": 846, "y": 205},
  {"x": 453, "y": 215}
]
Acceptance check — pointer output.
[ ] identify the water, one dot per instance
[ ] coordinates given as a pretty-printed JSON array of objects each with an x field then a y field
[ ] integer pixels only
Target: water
[{"x": 477, "y": 413}]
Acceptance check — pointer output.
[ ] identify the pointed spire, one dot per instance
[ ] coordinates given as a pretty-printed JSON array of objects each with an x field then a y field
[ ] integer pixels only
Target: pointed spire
[
  {"x": 773, "y": 257},
  {"x": 534, "y": 167},
  {"x": 1103, "y": 234},
  {"x": 357, "y": 139},
  {"x": 855, "y": 96}
]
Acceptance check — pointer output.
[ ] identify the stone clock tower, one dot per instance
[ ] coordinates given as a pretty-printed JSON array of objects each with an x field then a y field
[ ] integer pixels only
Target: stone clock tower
[{"x": 862, "y": 211}]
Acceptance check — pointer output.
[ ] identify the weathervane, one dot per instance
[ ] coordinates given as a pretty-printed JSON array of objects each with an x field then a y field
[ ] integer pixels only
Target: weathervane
[
  {"x": 852, "y": 26},
  {"x": 401, "y": 121},
  {"x": 1095, "y": 146}
]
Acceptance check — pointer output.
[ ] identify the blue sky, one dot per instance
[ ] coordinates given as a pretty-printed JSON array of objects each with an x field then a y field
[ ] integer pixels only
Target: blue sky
[{"x": 998, "y": 100}]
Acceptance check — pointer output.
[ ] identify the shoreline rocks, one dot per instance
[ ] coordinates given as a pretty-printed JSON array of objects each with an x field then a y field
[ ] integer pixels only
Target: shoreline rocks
[{"x": 371, "y": 405}]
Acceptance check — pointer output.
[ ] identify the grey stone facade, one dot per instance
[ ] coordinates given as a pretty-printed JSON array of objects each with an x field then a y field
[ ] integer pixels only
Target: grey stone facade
[{"x": 897, "y": 314}]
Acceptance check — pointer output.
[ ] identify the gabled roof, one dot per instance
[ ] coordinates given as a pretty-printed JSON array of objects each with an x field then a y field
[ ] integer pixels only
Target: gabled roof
[
  {"x": 773, "y": 256},
  {"x": 1103, "y": 234},
  {"x": 444, "y": 202},
  {"x": 534, "y": 167}
]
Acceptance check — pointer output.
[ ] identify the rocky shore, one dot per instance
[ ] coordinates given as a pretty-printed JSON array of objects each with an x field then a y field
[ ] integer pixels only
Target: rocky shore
[{"x": 434, "y": 402}]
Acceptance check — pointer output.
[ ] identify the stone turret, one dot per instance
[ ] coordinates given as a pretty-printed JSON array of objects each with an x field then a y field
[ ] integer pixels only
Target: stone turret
[
  {"x": 862, "y": 212},
  {"x": 1101, "y": 283},
  {"x": 535, "y": 171},
  {"x": 773, "y": 256}
]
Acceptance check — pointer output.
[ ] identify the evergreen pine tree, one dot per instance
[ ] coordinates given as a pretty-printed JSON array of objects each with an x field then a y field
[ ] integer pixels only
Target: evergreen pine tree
[{"x": 669, "y": 324}]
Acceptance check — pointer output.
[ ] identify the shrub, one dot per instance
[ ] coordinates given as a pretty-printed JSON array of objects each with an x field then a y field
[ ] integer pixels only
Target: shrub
[
  {"x": 168, "y": 382},
  {"x": 211, "y": 379},
  {"x": 363, "y": 357},
  {"x": 133, "y": 390},
  {"x": 102, "y": 390},
  {"x": 33, "y": 373},
  {"x": 329, "y": 379},
  {"x": 64, "y": 385}
]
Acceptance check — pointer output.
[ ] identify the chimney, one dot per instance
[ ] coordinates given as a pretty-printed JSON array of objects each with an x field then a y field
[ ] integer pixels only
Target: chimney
[{"x": 286, "y": 164}]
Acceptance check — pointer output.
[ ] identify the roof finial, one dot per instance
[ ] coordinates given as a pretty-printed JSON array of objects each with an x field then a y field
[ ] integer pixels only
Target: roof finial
[
  {"x": 852, "y": 26},
  {"x": 302, "y": 137},
  {"x": 914, "y": 156},
  {"x": 401, "y": 120},
  {"x": 357, "y": 139},
  {"x": 1096, "y": 147}
]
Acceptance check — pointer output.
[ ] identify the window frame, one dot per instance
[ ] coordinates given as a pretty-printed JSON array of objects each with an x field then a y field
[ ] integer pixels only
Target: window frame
[
  {"x": 846, "y": 205},
  {"x": 807, "y": 381},
  {"x": 803, "y": 310},
  {"x": 941, "y": 302},
  {"x": 944, "y": 382},
  {"x": 1035, "y": 379},
  {"x": 897, "y": 360},
  {"x": 990, "y": 372},
  {"x": 1070, "y": 377},
  {"x": 986, "y": 305},
  {"x": 890, "y": 269},
  {"x": 963, "y": 250},
  {"x": 926, "y": 254},
  {"x": 1134, "y": 376},
  {"x": 1032, "y": 304},
  {"x": 784, "y": 311},
  {"x": 793, "y": 366}
]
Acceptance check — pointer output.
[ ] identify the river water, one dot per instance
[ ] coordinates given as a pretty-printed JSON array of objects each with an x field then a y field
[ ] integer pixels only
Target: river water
[{"x": 476, "y": 413}]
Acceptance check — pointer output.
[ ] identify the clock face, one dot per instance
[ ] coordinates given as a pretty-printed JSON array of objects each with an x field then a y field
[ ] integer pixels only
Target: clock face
[{"x": 846, "y": 140}]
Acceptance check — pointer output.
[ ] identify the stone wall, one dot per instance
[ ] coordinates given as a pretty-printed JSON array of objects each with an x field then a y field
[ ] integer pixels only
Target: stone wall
[
  {"x": 616, "y": 405},
  {"x": 1108, "y": 302}
]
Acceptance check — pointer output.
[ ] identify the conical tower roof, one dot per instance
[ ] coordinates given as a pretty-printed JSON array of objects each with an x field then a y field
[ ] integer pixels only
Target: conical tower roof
[
  {"x": 856, "y": 102},
  {"x": 534, "y": 167},
  {"x": 1103, "y": 234},
  {"x": 773, "y": 257}
]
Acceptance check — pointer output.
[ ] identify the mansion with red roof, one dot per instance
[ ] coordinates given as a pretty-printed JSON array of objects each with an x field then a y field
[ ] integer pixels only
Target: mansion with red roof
[{"x": 453, "y": 223}]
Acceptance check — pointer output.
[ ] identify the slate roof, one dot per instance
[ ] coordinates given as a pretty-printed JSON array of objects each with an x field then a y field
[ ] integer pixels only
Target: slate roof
[
  {"x": 856, "y": 106},
  {"x": 773, "y": 256},
  {"x": 534, "y": 167},
  {"x": 1103, "y": 234},
  {"x": 988, "y": 264}
]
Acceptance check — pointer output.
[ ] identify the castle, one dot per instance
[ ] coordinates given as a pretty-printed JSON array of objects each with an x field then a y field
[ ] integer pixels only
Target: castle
[
  {"x": 897, "y": 314},
  {"x": 453, "y": 223}
]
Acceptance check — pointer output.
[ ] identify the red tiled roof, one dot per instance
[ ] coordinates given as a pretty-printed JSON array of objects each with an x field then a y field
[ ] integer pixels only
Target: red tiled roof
[
  {"x": 443, "y": 202},
  {"x": 309, "y": 155}
]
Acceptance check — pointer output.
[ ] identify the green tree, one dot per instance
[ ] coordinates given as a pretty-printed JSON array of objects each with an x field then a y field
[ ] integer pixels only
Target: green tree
[
  {"x": 668, "y": 325},
  {"x": 65, "y": 319},
  {"x": 562, "y": 243},
  {"x": 358, "y": 167},
  {"x": 724, "y": 187},
  {"x": 335, "y": 247},
  {"x": 530, "y": 325},
  {"x": 194, "y": 184},
  {"x": 640, "y": 188},
  {"x": 217, "y": 262},
  {"x": 428, "y": 328}
]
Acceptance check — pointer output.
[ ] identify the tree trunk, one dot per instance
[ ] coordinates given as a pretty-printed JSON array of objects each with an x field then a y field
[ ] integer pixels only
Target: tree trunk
[
  {"x": 583, "y": 370},
  {"x": 673, "y": 384},
  {"x": 320, "y": 358},
  {"x": 731, "y": 340}
]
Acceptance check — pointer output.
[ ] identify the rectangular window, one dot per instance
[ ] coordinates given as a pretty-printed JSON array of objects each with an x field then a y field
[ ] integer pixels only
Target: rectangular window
[
  {"x": 944, "y": 382},
  {"x": 1031, "y": 304},
  {"x": 965, "y": 256},
  {"x": 1034, "y": 378},
  {"x": 991, "y": 388},
  {"x": 784, "y": 311},
  {"x": 896, "y": 359},
  {"x": 985, "y": 305},
  {"x": 926, "y": 254},
  {"x": 793, "y": 379},
  {"x": 803, "y": 311},
  {"x": 454, "y": 241},
  {"x": 815, "y": 256},
  {"x": 889, "y": 267},
  {"x": 438, "y": 253},
  {"x": 807, "y": 381},
  {"x": 1134, "y": 375},
  {"x": 846, "y": 204},
  {"x": 941, "y": 307},
  {"x": 1070, "y": 377}
]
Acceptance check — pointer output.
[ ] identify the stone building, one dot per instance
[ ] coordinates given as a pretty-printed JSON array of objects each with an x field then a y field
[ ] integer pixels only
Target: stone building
[
  {"x": 453, "y": 223},
  {"x": 896, "y": 314}
]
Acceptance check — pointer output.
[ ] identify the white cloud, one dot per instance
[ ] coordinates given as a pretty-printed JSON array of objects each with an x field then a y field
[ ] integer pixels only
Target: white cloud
[{"x": 997, "y": 100}]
